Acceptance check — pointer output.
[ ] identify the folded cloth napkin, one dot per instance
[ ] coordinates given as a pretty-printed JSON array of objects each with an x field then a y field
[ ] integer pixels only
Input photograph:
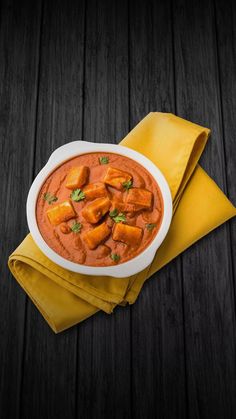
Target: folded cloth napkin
[{"x": 175, "y": 145}]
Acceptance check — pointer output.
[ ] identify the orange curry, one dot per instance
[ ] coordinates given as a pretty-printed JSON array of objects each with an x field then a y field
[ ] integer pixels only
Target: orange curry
[{"x": 99, "y": 209}]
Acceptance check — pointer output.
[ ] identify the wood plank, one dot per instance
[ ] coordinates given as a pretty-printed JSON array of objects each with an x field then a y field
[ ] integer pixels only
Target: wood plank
[
  {"x": 158, "y": 363},
  {"x": 49, "y": 384},
  {"x": 19, "y": 52},
  {"x": 103, "y": 388},
  {"x": 226, "y": 37},
  {"x": 208, "y": 305}
]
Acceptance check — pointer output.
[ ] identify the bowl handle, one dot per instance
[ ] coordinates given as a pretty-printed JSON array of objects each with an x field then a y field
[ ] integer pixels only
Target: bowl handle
[{"x": 67, "y": 148}]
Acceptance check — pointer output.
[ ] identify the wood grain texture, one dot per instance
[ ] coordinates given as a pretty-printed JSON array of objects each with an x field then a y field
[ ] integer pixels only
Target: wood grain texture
[
  {"x": 208, "y": 292},
  {"x": 92, "y": 70},
  {"x": 19, "y": 57},
  {"x": 226, "y": 50},
  {"x": 158, "y": 366}
]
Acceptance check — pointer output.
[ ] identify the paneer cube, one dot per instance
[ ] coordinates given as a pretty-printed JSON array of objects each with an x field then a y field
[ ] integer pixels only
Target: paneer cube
[
  {"x": 95, "y": 190},
  {"x": 127, "y": 234},
  {"x": 116, "y": 177},
  {"x": 94, "y": 211},
  {"x": 141, "y": 198},
  {"x": 124, "y": 207},
  {"x": 61, "y": 213},
  {"x": 77, "y": 177},
  {"x": 96, "y": 236}
]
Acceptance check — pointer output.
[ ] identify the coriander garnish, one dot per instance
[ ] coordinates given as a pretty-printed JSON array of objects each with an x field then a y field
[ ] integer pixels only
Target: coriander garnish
[
  {"x": 103, "y": 160},
  {"x": 113, "y": 213},
  {"x": 150, "y": 226},
  {"x": 115, "y": 257},
  {"x": 76, "y": 227},
  {"x": 117, "y": 217},
  {"x": 127, "y": 185},
  {"x": 49, "y": 198},
  {"x": 77, "y": 195},
  {"x": 120, "y": 218}
]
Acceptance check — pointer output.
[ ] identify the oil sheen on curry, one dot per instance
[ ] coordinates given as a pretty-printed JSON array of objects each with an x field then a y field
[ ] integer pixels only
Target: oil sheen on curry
[{"x": 99, "y": 209}]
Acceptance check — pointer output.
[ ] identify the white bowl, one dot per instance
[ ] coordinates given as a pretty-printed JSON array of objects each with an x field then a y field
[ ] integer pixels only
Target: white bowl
[{"x": 73, "y": 149}]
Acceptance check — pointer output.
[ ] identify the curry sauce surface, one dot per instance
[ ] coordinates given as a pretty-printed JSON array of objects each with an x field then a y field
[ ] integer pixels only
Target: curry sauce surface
[{"x": 72, "y": 245}]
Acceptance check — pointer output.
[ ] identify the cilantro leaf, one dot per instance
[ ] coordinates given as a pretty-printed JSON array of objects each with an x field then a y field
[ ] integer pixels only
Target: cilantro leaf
[
  {"x": 49, "y": 198},
  {"x": 113, "y": 213},
  {"x": 76, "y": 227},
  {"x": 127, "y": 185},
  {"x": 115, "y": 257},
  {"x": 150, "y": 226},
  {"x": 77, "y": 195},
  {"x": 103, "y": 160},
  {"x": 117, "y": 217}
]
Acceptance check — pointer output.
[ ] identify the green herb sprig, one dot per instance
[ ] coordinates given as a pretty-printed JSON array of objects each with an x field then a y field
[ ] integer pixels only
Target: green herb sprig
[
  {"x": 76, "y": 227},
  {"x": 77, "y": 195},
  {"x": 117, "y": 217},
  {"x": 49, "y": 198},
  {"x": 115, "y": 257},
  {"x": 127, "y": 185},
  {"x": 113, "y": 213},
  {"x": 104, "y": 160}
]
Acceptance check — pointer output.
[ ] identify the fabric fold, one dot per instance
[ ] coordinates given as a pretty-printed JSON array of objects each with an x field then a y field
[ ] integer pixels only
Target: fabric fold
[{"x": 175, "y": 145}]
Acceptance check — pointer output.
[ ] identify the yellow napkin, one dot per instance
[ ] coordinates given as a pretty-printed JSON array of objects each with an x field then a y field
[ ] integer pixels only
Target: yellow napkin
[{"x": 175, "y": 146}]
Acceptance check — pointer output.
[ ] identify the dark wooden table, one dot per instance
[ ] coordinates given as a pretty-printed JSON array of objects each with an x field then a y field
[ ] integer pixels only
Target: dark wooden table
[{"x": 92, "y": 70}]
